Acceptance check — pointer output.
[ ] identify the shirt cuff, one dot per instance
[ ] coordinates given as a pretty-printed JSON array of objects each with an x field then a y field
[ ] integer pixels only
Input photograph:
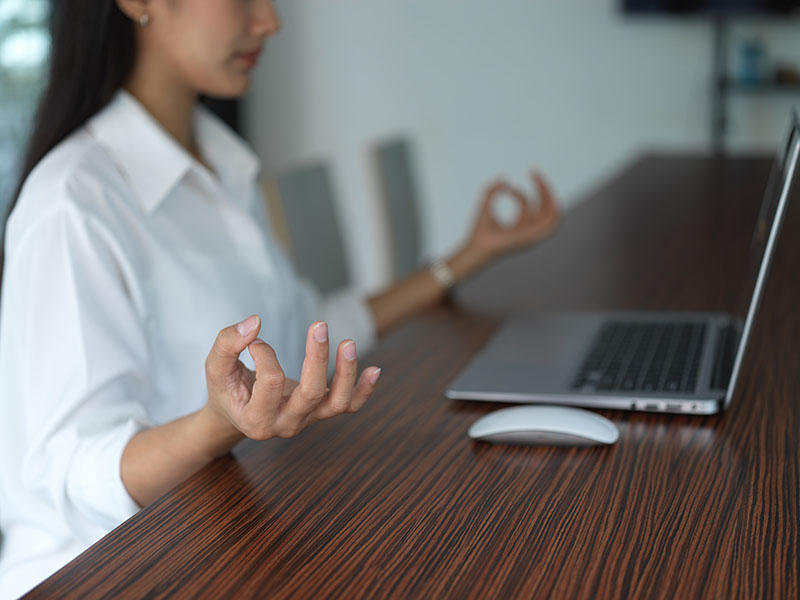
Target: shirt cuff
[{"x": 95, "y": 483}]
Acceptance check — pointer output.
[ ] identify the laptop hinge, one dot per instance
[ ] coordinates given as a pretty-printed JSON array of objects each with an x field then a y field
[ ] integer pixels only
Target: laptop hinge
[{"x": 725, "y": 355}]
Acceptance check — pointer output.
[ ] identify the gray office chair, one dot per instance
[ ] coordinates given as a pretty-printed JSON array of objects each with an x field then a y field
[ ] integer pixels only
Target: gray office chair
[
  {"x": 392, "y": 163},
  {"x": 308, "y": 224}
]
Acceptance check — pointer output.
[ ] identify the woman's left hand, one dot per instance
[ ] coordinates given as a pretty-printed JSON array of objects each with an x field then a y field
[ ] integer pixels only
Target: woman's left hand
[{"x": 537, "y": 219}]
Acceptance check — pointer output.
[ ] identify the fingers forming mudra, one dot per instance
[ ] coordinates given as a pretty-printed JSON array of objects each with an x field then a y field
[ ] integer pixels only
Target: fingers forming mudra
[
  {"x": 536, "y": 219},
  {"x": 265, "y": 403}
]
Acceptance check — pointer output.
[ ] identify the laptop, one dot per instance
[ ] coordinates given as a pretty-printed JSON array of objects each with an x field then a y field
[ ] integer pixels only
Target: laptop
[{"x": 679, "y": 362}]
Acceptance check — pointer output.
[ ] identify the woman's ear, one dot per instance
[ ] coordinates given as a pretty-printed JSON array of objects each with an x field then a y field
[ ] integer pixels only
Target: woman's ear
[{"x": 135, "y": 10}]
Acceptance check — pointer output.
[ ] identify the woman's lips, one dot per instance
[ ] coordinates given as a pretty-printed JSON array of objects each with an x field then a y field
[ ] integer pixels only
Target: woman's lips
[{"x": 249, "y": 58}]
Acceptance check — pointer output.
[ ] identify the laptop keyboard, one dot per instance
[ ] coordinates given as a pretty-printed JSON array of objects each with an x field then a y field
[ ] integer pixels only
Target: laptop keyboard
[{"x": 643, "y": 357}]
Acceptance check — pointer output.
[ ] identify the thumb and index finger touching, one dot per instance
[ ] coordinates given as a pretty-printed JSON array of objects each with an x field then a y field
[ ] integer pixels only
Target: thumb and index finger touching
[
  {"x": 223, "y": 360},
  {"x": 543, "y": 198},
  {"x": 230, "y": 343}
]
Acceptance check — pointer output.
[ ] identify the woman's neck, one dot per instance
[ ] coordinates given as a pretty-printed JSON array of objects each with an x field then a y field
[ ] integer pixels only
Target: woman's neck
[{"x": 169, "y": 102}]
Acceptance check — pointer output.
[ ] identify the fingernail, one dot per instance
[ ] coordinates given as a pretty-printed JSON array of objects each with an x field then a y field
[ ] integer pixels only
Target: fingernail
[
  {"x": 349, "y": 350},
  {"x": 321, "y": 333},
  {"x": 373, "y": 379},
  {"x": 247, "y": 326},
  {"x": 258, "y": 341}
]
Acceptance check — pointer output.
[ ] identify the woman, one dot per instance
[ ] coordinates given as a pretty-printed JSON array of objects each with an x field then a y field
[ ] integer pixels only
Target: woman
[{"x": 139, "y": 232}]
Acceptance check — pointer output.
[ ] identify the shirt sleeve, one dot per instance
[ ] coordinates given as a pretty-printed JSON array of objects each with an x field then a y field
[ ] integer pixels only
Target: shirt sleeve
[
  {"x": 80, "y": 366},
  {"x": 347, "y": 312}
]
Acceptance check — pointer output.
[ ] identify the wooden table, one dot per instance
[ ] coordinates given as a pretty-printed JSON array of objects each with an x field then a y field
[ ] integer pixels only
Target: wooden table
[{"x": 396, "y": 501}]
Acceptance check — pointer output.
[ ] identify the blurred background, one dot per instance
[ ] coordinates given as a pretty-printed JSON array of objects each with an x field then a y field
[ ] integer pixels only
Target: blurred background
[
  {"x": 24, "y": 51},
  {"x": 578, "y": 88}
]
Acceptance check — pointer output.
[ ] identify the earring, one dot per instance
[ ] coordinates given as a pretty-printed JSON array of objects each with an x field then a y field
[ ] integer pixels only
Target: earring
[{"x": 144, "y": 20}]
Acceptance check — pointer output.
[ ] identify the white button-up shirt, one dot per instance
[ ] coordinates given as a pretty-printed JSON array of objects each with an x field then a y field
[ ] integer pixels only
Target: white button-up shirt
[{"x": 124, "y": 258}]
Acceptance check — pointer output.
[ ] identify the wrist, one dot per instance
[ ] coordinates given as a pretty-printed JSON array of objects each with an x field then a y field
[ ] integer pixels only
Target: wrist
[
  {"x": 467, "y": 261},
  {"x": 215, "y": 433}
]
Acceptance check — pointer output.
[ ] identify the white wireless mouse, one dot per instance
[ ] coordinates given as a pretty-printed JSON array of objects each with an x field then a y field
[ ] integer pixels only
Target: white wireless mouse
[{"x": 544, "y": 425}]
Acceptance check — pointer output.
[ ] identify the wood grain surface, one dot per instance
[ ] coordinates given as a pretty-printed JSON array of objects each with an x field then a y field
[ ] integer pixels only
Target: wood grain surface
[{"x": 397, "y": 502}]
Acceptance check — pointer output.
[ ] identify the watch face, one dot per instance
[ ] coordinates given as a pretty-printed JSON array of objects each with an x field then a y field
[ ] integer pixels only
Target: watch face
[{"x": 443, "y": 274}]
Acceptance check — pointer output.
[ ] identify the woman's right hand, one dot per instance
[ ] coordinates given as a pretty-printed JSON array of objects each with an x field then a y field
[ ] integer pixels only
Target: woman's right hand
[{"x": 265, "y": 404}]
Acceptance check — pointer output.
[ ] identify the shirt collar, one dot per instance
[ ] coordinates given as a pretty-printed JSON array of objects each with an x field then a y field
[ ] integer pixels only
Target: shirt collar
[
  {"x": 155, "y": 163},
  {"x": 230, "y": 157}
]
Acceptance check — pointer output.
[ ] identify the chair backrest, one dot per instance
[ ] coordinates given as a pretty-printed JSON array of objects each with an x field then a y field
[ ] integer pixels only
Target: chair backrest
[
  {"x": 275, "y": 213},
  {"x": 307, "y": 202},
  {"x": 392, "y": 163}
]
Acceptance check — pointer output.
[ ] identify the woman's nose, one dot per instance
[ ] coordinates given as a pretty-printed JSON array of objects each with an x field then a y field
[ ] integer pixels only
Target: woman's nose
[{"x": 265, "y": 20}]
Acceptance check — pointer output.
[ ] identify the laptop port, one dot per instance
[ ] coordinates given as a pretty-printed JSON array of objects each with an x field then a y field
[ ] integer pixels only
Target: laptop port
[
  {"x": 651, "y": 407},
  {"x": 674, "y": 407}
]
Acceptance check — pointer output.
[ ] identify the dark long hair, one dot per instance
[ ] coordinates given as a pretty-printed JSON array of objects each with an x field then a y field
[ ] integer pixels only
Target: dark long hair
[{"x": 92, "y": 55}]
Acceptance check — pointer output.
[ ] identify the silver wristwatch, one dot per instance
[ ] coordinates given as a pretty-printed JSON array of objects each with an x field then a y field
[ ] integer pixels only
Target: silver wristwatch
[{"x": 443, "y": 274}]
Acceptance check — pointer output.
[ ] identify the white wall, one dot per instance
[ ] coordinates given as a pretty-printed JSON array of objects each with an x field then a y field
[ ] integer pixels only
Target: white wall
[{"x": 483, "y": 88}]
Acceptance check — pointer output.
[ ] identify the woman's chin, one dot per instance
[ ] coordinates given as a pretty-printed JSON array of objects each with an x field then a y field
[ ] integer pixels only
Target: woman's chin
[
  {"x": 233, "y": 88},
  {"x": 241, "y": 85}
]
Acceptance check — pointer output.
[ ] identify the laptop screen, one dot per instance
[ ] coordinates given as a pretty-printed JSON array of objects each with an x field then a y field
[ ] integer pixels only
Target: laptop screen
[{"x": 779, "y": 187}]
